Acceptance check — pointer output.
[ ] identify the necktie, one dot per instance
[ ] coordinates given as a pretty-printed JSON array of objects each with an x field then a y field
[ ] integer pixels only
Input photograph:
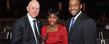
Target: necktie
[
  {"x": 71, "y": 23},
  {"x": 36, "y": 31}
]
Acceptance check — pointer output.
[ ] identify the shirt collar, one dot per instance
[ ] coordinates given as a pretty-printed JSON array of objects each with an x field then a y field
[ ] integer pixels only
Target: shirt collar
[{"x": 77, "y": 15}]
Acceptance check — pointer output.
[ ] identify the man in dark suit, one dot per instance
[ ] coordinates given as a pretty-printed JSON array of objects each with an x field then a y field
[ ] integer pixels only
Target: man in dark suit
[
  {"x": 81, "y": 28},
  {"x": 23, "y": 30}
]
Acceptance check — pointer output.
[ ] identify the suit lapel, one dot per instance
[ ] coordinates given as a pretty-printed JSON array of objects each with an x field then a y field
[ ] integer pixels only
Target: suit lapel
[
  {"x": 75, "y": 26},
  {"x": 28, "y": 33},
  {"x": 77, "y": 22},
  {"x": 27, "y": 23},
  {"x": 39, "y": 25},
  {"x": 68, "y": 23}
]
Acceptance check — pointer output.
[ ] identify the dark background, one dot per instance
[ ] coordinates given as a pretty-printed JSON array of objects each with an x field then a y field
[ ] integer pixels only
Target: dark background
[{"x": 10, "y": 10}]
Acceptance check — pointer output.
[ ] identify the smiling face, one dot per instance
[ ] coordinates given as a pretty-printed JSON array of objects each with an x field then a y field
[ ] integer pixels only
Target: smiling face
[
  {"x": 33, "y": 8},
  {"x": 52, "y": 19},
  {"x": 74, "y": 7}
]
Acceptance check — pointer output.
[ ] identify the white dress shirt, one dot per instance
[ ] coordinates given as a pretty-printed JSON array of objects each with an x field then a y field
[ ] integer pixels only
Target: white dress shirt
[
  {"x": 77, "y": 16},
  {"x": 32, "y": 26},
  {"x": 74, "y": 19}
]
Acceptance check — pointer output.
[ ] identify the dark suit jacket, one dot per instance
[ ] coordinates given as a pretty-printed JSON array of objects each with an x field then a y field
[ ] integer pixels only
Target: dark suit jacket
[
  {"x": 83, "y": 31},
  {"x": 22, "y": 32}
]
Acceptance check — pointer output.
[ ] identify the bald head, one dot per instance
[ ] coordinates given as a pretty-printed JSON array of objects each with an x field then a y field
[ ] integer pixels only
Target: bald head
[
  {"x": 33, "y": 8},
  {"x": 33, "y": 3},
  {"x": 75, "y": 1}
]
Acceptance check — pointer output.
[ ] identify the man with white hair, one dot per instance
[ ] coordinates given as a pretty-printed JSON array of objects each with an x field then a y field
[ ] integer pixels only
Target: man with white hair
[{"x": 25, "y": 30}]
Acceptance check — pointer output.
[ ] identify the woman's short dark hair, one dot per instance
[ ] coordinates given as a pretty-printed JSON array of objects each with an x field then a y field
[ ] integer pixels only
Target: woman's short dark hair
[{"x": 54, "y": 11}]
